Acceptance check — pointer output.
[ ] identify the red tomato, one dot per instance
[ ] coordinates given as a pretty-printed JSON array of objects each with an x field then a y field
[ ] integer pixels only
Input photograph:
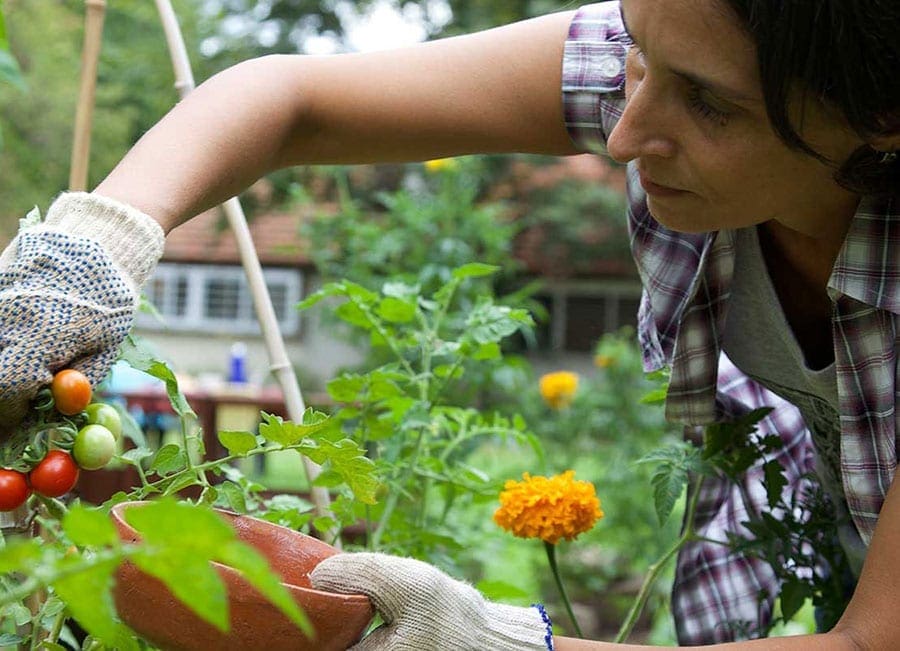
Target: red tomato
[
  {"x": 71, "y": 391},
  {"x": 55, "y": 475},
  {"x": 13, "y": 489}
]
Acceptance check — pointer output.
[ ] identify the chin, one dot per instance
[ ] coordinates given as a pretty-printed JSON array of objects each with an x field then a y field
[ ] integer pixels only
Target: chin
[{"x": 680, "y": 221}]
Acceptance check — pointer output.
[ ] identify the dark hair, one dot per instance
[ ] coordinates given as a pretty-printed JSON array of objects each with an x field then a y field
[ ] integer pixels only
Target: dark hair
[{"x": 843, "y": 52}]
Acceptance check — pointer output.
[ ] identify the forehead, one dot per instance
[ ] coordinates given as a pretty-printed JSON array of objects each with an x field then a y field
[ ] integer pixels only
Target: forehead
[{"x": 702, "y": 37}]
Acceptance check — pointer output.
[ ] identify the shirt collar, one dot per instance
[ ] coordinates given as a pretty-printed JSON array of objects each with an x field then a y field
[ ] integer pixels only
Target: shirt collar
[{"x": 867, "y": 267}]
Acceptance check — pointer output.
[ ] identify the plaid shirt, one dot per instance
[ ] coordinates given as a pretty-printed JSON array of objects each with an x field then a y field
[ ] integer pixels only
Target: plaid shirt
[{"x": 687, "y": 280}]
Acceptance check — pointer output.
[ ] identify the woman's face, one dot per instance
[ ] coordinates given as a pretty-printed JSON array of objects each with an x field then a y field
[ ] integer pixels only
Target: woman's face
[{"x": 696, "y": 124}]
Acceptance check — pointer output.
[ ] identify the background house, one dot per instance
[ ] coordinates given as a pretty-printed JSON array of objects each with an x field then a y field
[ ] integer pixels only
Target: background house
[{"x": 589, "y": 285}]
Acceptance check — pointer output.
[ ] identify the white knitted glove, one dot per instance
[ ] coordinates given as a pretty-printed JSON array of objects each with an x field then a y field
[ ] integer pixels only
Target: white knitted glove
[
  {"x": 426, "y": 610},
  {"x": 68, "y": 290}
]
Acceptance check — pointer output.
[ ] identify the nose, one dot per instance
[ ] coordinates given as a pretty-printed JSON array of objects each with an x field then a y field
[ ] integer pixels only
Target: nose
[{"x": 643, "y": 130}]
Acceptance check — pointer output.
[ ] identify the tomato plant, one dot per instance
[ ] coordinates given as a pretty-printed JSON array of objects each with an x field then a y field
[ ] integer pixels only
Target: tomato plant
[
  {"x": 94, "y": 447},
  {"x": 55, "y": 475},
  {"x": 71, "y": 391},
  {"x": 13, "y": 489},
  {"x": 99, "y": 413}
]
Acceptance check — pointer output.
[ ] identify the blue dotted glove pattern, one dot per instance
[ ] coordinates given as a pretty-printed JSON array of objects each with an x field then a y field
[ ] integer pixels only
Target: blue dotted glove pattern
[{"x": 63, "y": 303}]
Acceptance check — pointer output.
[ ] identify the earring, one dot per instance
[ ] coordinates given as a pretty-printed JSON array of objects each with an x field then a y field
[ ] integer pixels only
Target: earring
[{"x": 887, "y": 157}]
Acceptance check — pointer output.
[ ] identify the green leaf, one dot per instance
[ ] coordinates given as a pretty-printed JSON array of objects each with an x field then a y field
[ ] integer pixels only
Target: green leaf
[
  {"x": 19, "y": 555},
  {"x": 180, "y": 540},
  {"x": 654, "y": 397},
  {"x": 793, "y": 593},
  {"x": 501, "y": 591},
  {"x": 51, "y": 646},
  {"x": 10, "y": 72},
  {"x": 490, "y": 350},
  {"x": 170, "y": 458},
  {"x": 134, "y": 456},
  {"x": 234, "y": 496},
  {"x": 346, "y": 388},
  {"x": 668, "y": 485},
  {"x": 237, "y": 443},
  {"x": 10, "y": 640},
  {"x": 178, "y": 482},
  {"x": 285, "y": 433},
  {"x": 17, "y": 612},
  {"x": 488, "y": 323},
  {"x": 88, "y": 526},
  {"x": 347, "y": 459},
  {"x": 396, "y": 310},
  {"x": 774, "y": 481},
  {"x": 96, "y": 614},
  {"x": 400, "y": 290},
  {"x": 139, "y": 355},
  {"x": 475, "y": 270},
  {"x": 354, "y": 315},
  {"x": 256, "y": 570}
]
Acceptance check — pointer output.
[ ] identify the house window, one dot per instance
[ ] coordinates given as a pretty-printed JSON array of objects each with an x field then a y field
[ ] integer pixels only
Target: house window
[
  {"x": 216, "y": 298},
  {"x": 580, "y": 312}
]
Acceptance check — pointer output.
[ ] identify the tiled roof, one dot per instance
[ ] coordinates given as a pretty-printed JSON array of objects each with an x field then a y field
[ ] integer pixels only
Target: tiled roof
[{"x": 208, "y": 238}]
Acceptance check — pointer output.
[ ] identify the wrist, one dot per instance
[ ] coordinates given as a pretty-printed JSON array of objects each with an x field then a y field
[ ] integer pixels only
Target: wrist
[
  {"x": 516, "y": 628},
  {"x": 133, "y": 240}
]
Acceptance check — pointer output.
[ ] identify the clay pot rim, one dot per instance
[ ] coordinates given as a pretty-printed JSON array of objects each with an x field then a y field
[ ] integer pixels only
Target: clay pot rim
[{"x": 117, "y": 511}]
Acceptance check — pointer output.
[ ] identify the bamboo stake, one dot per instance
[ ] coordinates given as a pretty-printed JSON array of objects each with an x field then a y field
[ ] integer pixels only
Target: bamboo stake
[
  {"x": 95, "y": 10},
  {"x": 279, "y": 362}
]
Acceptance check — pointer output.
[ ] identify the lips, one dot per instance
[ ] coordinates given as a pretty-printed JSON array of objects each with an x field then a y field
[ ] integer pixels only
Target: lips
[{"x": 658, "y": 189}]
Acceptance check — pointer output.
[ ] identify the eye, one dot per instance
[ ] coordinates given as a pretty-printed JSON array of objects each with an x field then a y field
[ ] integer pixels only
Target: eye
[{"x": 704, "y": 109}]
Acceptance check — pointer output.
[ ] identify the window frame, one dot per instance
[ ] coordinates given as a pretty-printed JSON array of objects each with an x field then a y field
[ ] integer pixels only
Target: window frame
[{"x": 195, "y": 318}]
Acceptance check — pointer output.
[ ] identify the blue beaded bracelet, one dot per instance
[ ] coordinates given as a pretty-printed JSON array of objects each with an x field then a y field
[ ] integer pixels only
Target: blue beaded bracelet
[{"x": 548, "y": 638}]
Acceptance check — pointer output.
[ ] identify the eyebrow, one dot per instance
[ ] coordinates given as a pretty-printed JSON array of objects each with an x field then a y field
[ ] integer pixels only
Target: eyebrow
[{"x": 714, "y": 87}]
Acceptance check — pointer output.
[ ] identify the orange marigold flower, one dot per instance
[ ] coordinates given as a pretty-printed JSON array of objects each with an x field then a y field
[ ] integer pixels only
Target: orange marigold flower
[
  {"x": 548, "y": 508},
  {"x": 558, "y": 389}
]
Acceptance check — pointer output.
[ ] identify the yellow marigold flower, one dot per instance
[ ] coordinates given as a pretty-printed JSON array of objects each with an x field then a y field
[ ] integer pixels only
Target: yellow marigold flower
[
  {"x": 558, "y": 389},
  {"x": 548, "y": 508},
  {"x": 440, "y": 164}
]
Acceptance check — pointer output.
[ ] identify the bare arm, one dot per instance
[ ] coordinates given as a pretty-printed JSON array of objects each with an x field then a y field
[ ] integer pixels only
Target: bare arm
[{"x": 493, "y": 91}]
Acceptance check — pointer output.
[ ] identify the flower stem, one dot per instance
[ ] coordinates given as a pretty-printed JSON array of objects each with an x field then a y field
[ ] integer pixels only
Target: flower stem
[
  {"x": 551, "y": 557},
  {"x": 654, "y": 570}
]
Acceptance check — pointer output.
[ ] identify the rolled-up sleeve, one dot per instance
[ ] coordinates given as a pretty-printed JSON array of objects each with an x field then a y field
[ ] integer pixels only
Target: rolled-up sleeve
[{"x": 593, "y": 74}]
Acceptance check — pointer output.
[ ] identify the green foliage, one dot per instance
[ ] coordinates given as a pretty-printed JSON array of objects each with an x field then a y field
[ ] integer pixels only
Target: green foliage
[
  {"x": 403, "y": 411},
  {"x": 80, "y": 549},
  {"x": 574, "y": 243},
  {"x": 795, "y": 537},
  {"x": 417, "y": 235},
  {"x": 135, "y": 88}
]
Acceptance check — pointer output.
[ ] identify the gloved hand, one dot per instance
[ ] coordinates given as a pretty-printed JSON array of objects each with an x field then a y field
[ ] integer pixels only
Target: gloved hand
[
  {"x": 68, "y": 290},
  {"x": 424, "y": 609}
]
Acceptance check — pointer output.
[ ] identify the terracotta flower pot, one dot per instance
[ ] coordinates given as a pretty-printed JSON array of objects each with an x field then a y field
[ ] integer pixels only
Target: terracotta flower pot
[{"x": 147, "y": 606}]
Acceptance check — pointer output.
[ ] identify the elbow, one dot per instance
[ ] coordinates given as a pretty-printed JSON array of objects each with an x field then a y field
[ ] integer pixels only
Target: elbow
[{"x": 853, "y": 638}]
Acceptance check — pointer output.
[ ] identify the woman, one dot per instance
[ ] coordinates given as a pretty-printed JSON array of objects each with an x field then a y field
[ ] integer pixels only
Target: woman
[{"x": 760, "y": 137}]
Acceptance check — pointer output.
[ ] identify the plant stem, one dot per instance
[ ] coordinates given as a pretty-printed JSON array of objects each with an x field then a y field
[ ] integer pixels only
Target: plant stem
[
  {"x": 551, "y": 557},
  {"x": 654, "y": 570},
  {"x": 392, "y": 499}
]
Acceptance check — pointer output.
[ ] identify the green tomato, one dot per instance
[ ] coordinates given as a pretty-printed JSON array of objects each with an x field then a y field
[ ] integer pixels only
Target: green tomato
[
  {"x": 106, "y": 415},
  {"x": 94, "y": 447}
]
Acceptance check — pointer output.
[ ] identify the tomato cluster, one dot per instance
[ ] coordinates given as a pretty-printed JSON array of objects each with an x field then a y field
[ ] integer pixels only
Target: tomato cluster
[{"x": 92, "y": 447}]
